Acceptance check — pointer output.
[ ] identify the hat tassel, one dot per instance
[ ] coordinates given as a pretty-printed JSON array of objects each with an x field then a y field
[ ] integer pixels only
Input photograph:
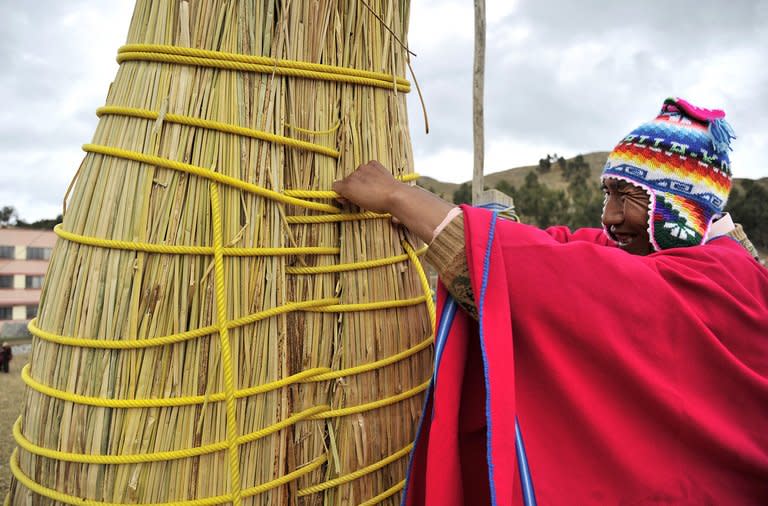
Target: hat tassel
[{"x": 721, "y": 133}]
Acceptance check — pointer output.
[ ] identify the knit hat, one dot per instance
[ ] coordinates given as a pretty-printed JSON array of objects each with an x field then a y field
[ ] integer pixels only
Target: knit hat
[{"x": 681, "y": 160}]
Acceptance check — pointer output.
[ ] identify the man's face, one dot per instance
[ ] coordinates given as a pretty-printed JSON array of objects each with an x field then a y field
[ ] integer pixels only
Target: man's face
[{"x": 625, "y": 216}]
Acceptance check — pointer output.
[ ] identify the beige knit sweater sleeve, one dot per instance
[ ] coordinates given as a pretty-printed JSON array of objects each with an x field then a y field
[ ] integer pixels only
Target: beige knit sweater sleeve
[
  {"x": 447, "y": 255},
  {"x": 741, "y": 236}
]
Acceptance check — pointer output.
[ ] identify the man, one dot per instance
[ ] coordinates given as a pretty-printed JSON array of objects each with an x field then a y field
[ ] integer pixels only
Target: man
[
  {"x": 6, "y": 354},
  {"x": 634, "y": 357}
]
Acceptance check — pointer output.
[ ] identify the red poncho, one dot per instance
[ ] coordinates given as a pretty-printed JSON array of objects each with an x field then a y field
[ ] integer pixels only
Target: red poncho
[{"x": 636, "y": 380}]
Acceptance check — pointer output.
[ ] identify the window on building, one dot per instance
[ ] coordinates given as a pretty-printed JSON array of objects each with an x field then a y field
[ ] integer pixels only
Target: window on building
[
  {"x": 34, "y": 282},
  {"x": 32, "y": 312},
  {"x": 6, "y": 281},
  {"x": 38, "y": 253},
  {"x": 7, "y": 252},
  {"x": 6, "y": 313}
]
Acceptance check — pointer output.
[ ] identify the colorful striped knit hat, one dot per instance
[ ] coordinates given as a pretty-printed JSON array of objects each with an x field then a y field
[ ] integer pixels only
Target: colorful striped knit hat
[{"x": 681, "y": 160}]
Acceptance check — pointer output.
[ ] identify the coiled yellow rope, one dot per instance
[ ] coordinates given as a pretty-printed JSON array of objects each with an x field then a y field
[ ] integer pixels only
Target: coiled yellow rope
[
  {"x": 260, "y": 64},
  {"x": 134, "y": 343},
  {"x": 357, "y": 474},
  {"x": 327, "y": 194},
  {"x": 221, "y": 499},
  {"x": 218, "y": 126},
  {"x": 313, "y": 375},
  {"x": 384, "y": 495},
  {"x": 334, "y": 218},
  {"x": 216, "y": 177},
  {"x": 171, "y": 249},
  {"x": 369, "y": 264},
  {"x": 222, "y": 326}
]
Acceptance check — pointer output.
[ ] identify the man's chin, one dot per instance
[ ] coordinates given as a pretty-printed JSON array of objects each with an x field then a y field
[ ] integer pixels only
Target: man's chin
[{"x": 635, "y": 247}]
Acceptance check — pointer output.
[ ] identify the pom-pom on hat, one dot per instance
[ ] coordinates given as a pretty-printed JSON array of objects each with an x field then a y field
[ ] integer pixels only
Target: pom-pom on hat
[{"x": 681, "y": 159}]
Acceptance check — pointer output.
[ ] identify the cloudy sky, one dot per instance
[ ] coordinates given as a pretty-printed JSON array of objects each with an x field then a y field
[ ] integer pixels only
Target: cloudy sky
[{"x": 561, "y": 77}]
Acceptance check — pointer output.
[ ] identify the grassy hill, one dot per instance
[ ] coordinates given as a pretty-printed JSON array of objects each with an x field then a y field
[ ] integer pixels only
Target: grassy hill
[
  {"x": 516, "y": 176},
  {"x": 552, "y": 179}
]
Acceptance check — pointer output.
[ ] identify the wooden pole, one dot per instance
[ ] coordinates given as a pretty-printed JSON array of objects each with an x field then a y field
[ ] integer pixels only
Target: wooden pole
[{"x": 477, "y": 101}]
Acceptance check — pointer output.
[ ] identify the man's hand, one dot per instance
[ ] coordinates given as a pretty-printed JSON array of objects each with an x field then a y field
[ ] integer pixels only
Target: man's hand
[{"x": 371, "y": 187}]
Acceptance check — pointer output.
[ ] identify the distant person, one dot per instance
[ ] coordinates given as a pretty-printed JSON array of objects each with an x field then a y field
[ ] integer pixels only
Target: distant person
[
  {"x": 635, "y": 356},
  {"x": 6, "y": 355}
]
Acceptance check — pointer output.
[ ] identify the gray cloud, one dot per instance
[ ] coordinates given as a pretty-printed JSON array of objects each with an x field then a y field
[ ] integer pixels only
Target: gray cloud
[
  {"x": 53, "y": 80},
  {"x": 561, "y": 76},
  {"x": 577, "y": 76}
]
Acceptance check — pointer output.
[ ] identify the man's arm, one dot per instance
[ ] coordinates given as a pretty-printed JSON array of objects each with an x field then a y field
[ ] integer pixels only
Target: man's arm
[
  {"x": 448, "y": 256},
  {"x": 372, "y": 187}
]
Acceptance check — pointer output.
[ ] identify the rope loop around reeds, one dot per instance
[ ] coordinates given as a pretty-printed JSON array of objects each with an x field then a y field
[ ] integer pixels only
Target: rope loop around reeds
[
  {"x": 260, "y": 64},
  {"x": 111, "y": 110},
  {"x": 208, "y": 501},
  {"x": 288, "y": 197}
]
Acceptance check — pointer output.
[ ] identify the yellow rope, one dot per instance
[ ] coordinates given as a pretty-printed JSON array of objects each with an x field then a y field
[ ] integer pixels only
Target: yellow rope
[
  {"x": 313, "y": 375},
  {"x": 366, "y": 306},
  {"x": 246, "y": 132},
  {"x": 208, "y": 501},
  {"x": 134, "y": 343},
  {"x": 368, "y": 264},
  {"x": 173, "y": 249},
  {"x": 260, "y": 64},
  {"x": 240, "y": 252},
  {"x": 112, "y": 459},
  {"x": 311, "y": 194},
  {"x": 375, "y": 365},
  {"x": 226, "y": 352},
  {"x": 334, "y": 218},
  {"x": 306, "y": 376},
  {"x": 79, "y": 501},
  {"x": 311, "y": 306},
  {"x": 298, "y": 473},
  {"x": 356, "y": 474},
  {"x": 384, "y": 495},
  {"x": 424, "y": 282},
  {"x": 261, "y": 69},
  {"x": 138, "y": 458},
  {"x": 313, "y": 413},
  {"x": 218, "y": 126},
  {"x": 329, "y": 194},
  {"x": 370, "y": 406},
  {"x": 207, "y": 174},
  {"x": 254, "y": 59}
]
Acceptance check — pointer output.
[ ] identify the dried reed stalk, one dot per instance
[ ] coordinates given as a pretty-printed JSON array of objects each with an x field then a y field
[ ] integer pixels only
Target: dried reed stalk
[{"x": 114, "y": 294}]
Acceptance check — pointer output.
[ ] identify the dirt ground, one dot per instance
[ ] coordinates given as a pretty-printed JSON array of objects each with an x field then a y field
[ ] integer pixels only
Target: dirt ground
[{"x": 11, "y": 401}]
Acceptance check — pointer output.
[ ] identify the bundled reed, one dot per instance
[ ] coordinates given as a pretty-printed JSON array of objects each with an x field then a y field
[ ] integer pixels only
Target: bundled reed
[{"x": 196, "y": 332}]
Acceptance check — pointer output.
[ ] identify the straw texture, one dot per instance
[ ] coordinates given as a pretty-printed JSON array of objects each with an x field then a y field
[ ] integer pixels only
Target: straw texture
[{"x": 256, "y": 331}]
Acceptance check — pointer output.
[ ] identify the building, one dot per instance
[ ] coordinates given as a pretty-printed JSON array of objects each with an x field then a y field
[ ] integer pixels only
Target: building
[{"x": 24, "y": 256}]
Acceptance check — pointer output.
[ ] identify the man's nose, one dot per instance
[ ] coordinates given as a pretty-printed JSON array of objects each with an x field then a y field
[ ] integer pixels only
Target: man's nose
[{"x": 613, "y": 212}]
